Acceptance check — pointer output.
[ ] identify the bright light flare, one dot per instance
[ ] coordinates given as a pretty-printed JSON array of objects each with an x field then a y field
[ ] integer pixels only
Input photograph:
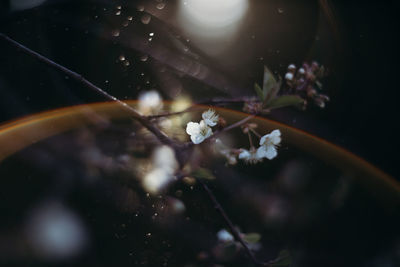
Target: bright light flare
[
  {"x": 212, "y": 18},
  {"x": 214, "y": 13}
]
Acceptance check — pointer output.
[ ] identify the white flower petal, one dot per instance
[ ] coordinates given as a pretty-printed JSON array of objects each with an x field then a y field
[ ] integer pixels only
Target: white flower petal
[
  {"x": 263, "y": 139},
  {"x": 271, "y": 152},
  {"x": 208, "y": 133},
  {"x": 210, "y": 118},
  {"x": 197, "y": 138},
  {"x": 261, "y": 152},
  {"x": 193, "y": 128},
  {"x": 245, "y": 154}
]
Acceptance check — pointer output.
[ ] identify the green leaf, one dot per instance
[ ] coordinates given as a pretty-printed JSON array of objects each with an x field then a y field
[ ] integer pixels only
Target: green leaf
[
  {"x": 252, "y": 237},
  {"x": 268, "y": 83},
  {"x": 272, "y": 93},
  {"x": 284, "y": 259},
  {"x": 203, "y": 173},
  {"x": 259, "y": 92},
  {"x": 284, "y": 101}
]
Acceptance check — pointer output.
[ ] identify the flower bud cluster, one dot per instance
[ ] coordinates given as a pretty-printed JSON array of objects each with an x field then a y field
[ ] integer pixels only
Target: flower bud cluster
[{"x": 305, "y": 82}]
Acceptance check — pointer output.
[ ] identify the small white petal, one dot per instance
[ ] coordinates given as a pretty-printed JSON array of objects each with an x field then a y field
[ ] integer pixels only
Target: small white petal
[
  {"x": 275, "y": 137},
  {"x": 263, "y": 139}
]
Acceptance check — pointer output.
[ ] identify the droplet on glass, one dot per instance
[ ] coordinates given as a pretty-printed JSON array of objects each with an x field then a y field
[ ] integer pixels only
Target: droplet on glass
[
  {"x": 140, "y": 8},
  {"x": 146, "y": 18},
  {"x": 148, "y": 234},
  {"x": 130, "y": 18},
  {"x": 144, "y": 58},
  {"x": 115, "y": 33},
  {"x": 280, "y": 10},
  {"x": 125, "y": 23},
  {"x": 127, "y": 63},
  {"x": 150, "y": 39},
  {"x": 121, "y": 57},
  {"x": 160, "y": 6},
  {"x": 119, "y": 7},
  {"x": 151, "y": 34},
  {"x": 118, "y": 13}
]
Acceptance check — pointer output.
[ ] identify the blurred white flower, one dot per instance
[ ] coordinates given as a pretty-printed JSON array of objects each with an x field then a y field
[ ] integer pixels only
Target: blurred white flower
[
  {"x": 289, "y": 76},
  {"x": 149, "y": 102},
  {"x": 291, "y": 67},
  {"x": 224, "y": 236},
  {"x": 302, "y": 71},
  {"x": 210, "y": 118},
  {"x": 198, "y": 131},
  {"x": 250, "y": 156},
  {"x": 162, "y": 173},
  {"x": 268, "y": 145}
]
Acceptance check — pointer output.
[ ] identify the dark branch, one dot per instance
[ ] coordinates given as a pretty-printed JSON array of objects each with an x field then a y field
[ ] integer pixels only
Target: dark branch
[
  {"x": 163, "y": 138},
  {"x": 231, "y": 227}
]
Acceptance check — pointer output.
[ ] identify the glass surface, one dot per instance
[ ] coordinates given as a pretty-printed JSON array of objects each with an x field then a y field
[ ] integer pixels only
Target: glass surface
[{"x": 81, "y": 182}]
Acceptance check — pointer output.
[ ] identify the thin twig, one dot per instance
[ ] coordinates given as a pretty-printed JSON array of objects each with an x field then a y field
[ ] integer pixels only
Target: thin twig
[
  {"x": 219, "y": 101},
  {"x": 232, "y": 126},
  {"x": 232, "y": 228},
  {"x": 162, "y": 137}
]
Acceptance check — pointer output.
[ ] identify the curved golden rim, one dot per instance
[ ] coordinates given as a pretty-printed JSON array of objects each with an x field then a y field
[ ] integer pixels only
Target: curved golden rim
[{"x": 17, "y": 134}]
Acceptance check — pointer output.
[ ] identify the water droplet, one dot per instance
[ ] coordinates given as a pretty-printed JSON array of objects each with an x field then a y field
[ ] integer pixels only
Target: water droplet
[
  {"x": 121, "y": 57},
  {"x": 146, "y": 18},
  {"x": 118, "y": 13},
  {"x": 156, "y": 214},
  {"x": 129, "y": 18},
  {"x": 144, "y": 58},
  {"x": 125, "y": 23},
  {"x": 115, "y": 33},
  {"x": 147, "y": 194},
  {"x": 140, "y": 8},
  {"x": 127, "y": 63},
  {"x": 106, "y": 81},
  {"x": 150, "y": 39},
  {"x": 148, "y": 234},
  {"x": 151, "y": 34},
  {"x": 280, "y": 10},
  {"x": 119, "y": 7},
  {"x": 160, "y": 6}
]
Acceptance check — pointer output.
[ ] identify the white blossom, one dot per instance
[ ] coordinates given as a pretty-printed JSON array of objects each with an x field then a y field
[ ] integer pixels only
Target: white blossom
[
  {"x": 268, "y": 145},
  {"x": 164, "y": 165},
  {"x": 250, "y": 156},
  {"x": 198, "y": 131},
  {"x": 224, "y": 236},
  {"x": 149, "y": 102},
  {"x": 210, "y": 118},
  {"x": 289, "y": 76}
]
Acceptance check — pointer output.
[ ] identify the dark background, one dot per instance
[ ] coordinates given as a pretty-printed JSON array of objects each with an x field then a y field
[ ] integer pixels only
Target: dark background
[{"x": 363, "y": 83}]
